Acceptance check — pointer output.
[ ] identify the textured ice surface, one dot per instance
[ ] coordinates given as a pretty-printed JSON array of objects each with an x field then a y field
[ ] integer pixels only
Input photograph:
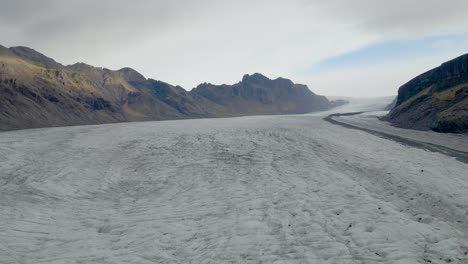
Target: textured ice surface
[{"x": 269, "y": 189}]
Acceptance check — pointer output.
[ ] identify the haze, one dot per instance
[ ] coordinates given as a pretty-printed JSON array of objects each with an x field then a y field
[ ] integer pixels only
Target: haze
[{"x": 348, "y": 48}]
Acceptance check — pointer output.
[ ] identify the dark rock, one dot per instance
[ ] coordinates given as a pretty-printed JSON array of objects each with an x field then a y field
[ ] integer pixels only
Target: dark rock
[
  {"x": 52, "y": 99},
  {"x": 100, "y": 104},
  {"x": 437, "y": 99}
]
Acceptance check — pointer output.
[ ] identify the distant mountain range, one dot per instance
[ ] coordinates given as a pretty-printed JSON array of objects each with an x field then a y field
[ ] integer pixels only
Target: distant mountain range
[
  {"x": 37, "y": 91},
  {"x": 437, "y": 99}
]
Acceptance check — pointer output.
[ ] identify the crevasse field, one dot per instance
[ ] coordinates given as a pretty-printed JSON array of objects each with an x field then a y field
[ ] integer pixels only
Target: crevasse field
[{"x": 265, "y": 189}]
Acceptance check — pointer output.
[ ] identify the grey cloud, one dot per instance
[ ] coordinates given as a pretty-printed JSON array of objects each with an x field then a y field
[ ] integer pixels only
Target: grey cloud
[
  {"x": 404, "y": 17},
  {"x": 49, "y": 19},
  {"x": 186, "y": 42}
]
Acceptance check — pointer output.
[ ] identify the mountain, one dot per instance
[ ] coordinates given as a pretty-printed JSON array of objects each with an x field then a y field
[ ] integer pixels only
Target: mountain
[
  {"x": 37, "y": 91},
  {"x": 256, "y": 94},
  {"x": 436, "y": 100}
]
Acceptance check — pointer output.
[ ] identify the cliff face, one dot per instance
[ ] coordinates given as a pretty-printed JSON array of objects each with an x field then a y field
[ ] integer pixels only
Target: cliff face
[
  {"x": 37, "y": 91},
  {"x": 437, "y": 99}
]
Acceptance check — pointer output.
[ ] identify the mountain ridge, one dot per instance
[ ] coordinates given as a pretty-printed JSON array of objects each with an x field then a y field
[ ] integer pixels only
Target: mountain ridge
[{"x": 37, "y": 91}]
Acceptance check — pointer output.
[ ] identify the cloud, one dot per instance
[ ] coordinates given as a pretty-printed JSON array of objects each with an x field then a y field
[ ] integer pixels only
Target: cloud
[
  {"x": 408, "y": 18},
  {"x": 380, "y": 69},
  {"x": 368, "y": 81},
  {"x": 187, "y": 42}
]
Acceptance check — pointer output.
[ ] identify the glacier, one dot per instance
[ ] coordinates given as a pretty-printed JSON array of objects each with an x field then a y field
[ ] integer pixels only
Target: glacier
[{"x": 260, "y": 189}]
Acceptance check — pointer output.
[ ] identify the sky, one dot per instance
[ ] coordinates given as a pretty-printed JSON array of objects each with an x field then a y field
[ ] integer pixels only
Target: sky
[{"x": 357, "y": 48}]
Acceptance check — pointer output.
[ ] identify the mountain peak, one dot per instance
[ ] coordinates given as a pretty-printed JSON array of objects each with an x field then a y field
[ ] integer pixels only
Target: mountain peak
[
  {"x": 255, "y": 77},
  {"x": 81, "y": 66},
  {"x": 131, "y": 75},
  {"x": 260, "y": 78},
  {"x": 35, "y": 57}
]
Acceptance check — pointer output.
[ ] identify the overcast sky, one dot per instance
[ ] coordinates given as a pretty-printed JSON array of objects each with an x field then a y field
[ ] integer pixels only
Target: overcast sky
[{"x": 336, "y": 47}]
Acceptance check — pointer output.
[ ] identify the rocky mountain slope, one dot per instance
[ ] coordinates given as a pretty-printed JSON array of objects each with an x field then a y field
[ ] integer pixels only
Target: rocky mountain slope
[
  {"x": 437, "y": 99},
  {"x": 37, "y": 91},
  {"x": 256, "y": 94}
]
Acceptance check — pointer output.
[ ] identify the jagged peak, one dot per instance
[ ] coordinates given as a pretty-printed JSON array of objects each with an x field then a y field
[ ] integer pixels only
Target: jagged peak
[{"x": 256, "y": 76}]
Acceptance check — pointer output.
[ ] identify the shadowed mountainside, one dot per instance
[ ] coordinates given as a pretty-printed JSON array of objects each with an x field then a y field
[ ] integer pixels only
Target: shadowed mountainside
[
  {"x": 259, "y": 95},
  {"x": 437, "y": 99},
  {"x": 37, "y": 91}
]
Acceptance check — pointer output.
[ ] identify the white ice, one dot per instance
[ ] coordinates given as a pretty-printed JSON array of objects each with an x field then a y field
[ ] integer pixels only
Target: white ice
[{"x": 266, "y": 189}]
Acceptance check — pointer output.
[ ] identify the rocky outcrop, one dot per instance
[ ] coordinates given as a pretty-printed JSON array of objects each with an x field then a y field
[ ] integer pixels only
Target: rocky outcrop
[
  {"x": 37, "y": 91},
  {"x": 437, "y": 99}
]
